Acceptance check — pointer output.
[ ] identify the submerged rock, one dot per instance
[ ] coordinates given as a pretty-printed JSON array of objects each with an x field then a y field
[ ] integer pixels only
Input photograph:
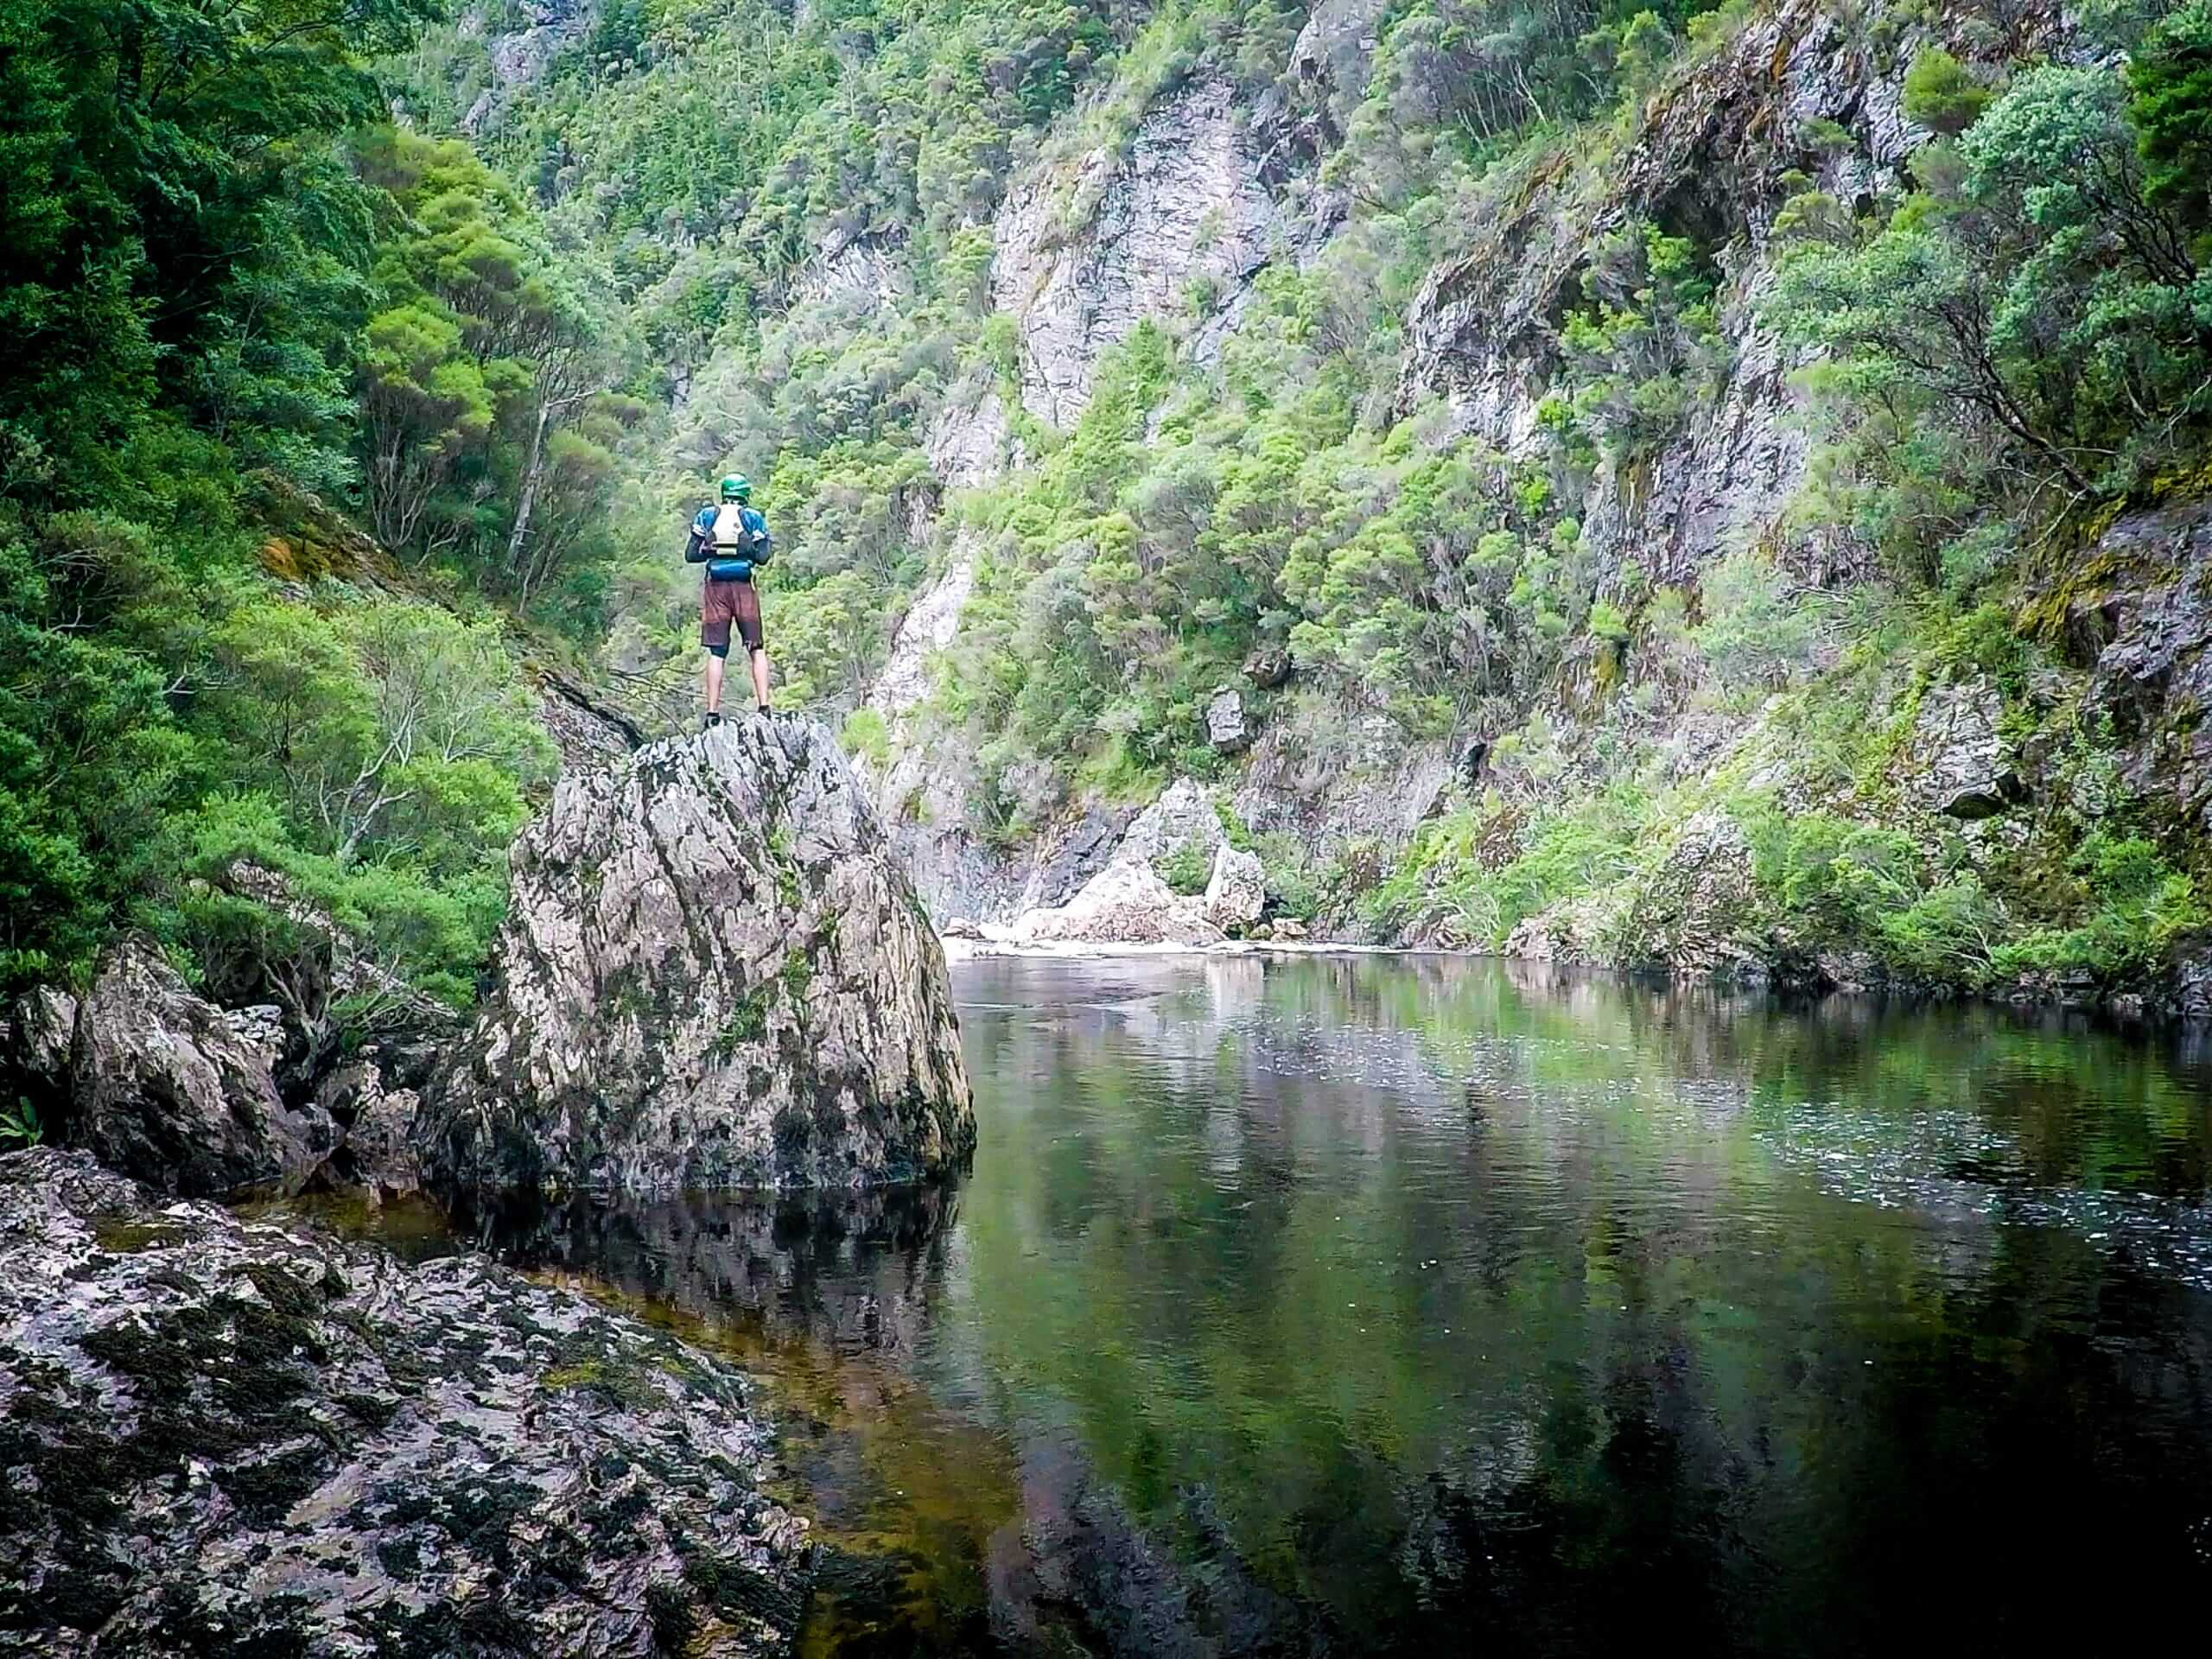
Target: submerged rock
[
  {"x": 167, "y": 1088},
  {"x": 714, "y": 974},
  {"x": 219, "y": 1437}
]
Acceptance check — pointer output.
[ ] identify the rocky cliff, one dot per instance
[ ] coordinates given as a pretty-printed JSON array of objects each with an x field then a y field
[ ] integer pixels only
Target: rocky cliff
[
  {"x": 220, "y": 1438},
  {"x": 1394, "y": 422},
  {"x": 712, "y": 975}
]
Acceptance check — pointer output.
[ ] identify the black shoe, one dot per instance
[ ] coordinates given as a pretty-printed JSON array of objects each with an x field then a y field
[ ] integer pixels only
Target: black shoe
[
  {"x": 766, "y": 713},
  {"x": 712, "y": 719}
]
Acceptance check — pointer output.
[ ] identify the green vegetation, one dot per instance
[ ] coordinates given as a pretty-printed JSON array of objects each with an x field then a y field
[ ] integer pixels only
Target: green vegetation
[
  {"x": 20, "y": 1126},
  {"x": 225, "y": 284},
  {"x": 513, "y": 334}
]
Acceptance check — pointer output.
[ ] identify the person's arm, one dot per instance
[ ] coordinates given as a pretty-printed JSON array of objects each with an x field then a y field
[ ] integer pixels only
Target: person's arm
[
  {"x": 763, "y": 544},
  {"x": 694, "y": 549}
]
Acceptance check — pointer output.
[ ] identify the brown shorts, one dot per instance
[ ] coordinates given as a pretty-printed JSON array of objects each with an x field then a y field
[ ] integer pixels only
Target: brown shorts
[{"x": 723, "y": 603}]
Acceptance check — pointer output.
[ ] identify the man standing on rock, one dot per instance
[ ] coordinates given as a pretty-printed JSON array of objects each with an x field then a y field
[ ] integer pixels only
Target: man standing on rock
[{"x": 731, "y": 541}]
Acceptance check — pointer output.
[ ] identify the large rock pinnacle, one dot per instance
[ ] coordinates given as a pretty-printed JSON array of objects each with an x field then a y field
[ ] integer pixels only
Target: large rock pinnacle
[{"x": 715, "y": 973}]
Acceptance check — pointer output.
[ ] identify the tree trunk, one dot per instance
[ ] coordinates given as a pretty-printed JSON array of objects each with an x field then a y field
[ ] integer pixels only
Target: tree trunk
[{"x": 528, "y": 499}]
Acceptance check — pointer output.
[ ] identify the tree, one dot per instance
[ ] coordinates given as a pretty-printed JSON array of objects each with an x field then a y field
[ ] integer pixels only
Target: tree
[{"x": 2170, "y": 83}]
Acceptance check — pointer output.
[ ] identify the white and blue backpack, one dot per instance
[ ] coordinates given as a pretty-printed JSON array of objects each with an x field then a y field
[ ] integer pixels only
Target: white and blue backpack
[{"x": 731, "y": 540}]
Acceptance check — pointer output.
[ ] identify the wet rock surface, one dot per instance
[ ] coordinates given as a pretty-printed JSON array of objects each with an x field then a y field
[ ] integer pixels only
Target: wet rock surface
[
  {"x": 715, "y": 973},
  {"x": 220, "y": 1438}
]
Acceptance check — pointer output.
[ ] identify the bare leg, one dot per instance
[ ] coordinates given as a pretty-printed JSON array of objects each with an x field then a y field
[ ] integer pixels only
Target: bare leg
[
  {"x": 760, "y": 678},
  {"x": 714, "y": 683}
]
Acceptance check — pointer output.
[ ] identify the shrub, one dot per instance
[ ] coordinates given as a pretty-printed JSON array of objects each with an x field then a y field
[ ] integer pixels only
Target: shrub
[{"x": 1941, "y": 94}]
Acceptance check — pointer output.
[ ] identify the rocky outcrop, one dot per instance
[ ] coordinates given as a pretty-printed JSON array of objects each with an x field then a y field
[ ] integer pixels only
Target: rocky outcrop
[
  {"x": 374, "y": 1097},
  {"x": 1956, "y": 761},
  {"x": 714, "y": 974},
  {"x": 926, "y": 629},
  {"x": 35, "y": 1043},
  {"x": 585, "y": 726},
  {"x": 1716, "y": 152},
  {"x": 1333, "y": 777},
  {"x": 1309, "y": 111},
  {"x": 1236, "y": 891},
  {"x": 1227, "y": 730},
  {"x": 1179, "y": 218},
  {"x": 971, "y": 439},
  {"x": 1126, "y": 903},
  {"x": 218, "y": 1437},
  {"x": 1183, "y": 819},
  {"x": 1689, "y": 911},
  {"x": 860, "y": 274},
  {"x": 165, "y": 1087},
  {"x": 2144, "y": 631}
]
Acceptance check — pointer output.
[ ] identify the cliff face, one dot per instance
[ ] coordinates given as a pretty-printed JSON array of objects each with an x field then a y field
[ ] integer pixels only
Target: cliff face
[
  {"x": 1365, "y": 268},
  {"x": 712, "y": 975},
  {"x": 1181, "y": 218}
]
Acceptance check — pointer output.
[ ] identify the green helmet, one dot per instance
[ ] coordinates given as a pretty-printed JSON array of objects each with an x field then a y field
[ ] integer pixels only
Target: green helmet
[{"x": 737, "y": 487}]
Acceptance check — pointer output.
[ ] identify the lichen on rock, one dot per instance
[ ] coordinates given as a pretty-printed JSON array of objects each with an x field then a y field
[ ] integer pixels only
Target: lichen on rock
[
  {"x": 715, "y": 973},
  {"x": 218, "y": 1437}
]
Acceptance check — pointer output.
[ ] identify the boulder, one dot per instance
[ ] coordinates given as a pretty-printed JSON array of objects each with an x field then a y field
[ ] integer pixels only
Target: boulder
[
  {"x": 1126, "y": 903},
  {"x": 1269, "y": 666},
  {"x": 1225, "y": 727},
  {"x": 221, "y": 1438},
  {"x": 165, "y": 1088},
  {"x": 34, "y": 1044},
  {"x": 1181, "y": 820},
  {"x": 715, "y": 973},
  {"x": 1960, "y": 766},
  {"x": 1686, "y": 914},
  {"x": 1237, "y": 892}
]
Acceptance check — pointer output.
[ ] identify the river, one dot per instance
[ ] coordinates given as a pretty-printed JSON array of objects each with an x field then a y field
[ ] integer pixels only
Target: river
[{"x": 1361, "y": 1305}]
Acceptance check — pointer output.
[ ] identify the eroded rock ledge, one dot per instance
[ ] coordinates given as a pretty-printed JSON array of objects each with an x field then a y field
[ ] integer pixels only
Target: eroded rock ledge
[
  {"x": 218, "y": 1438},
  {"x": 714, "y": 974}
]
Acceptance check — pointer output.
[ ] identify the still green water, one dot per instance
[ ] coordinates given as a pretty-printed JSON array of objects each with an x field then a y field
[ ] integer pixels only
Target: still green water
[{"x": 1358, "y": 1305}]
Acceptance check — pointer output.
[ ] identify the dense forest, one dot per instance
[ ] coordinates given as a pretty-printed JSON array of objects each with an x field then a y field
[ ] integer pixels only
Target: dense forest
[{"x": 503, "y": 289}]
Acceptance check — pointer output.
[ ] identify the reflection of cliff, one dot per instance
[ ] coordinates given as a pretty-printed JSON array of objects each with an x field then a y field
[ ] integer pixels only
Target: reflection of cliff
[
  {"x": 1079, "y": 1569},
  {"x": 849, "y": 1272}
]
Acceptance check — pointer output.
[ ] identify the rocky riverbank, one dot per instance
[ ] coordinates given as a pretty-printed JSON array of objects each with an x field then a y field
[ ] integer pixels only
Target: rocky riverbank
[{"x": 221, "y": 1438}]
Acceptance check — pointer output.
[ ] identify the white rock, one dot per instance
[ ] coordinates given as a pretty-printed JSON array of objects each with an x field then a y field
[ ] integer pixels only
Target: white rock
[
  {"x": 1124, "y": 904},
  {"x": 1225, "y": 726},
  {"x": 1237, "y": 892}
]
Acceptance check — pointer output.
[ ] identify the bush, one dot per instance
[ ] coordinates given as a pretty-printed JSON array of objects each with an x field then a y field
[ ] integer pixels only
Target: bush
[
  {"x": 1941, "y": 94},
  {"x": 1187, "y": 870}
]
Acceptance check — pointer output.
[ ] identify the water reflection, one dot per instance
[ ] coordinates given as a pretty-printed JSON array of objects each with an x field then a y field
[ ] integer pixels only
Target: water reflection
[{"x": 1357, "y": 1305}]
